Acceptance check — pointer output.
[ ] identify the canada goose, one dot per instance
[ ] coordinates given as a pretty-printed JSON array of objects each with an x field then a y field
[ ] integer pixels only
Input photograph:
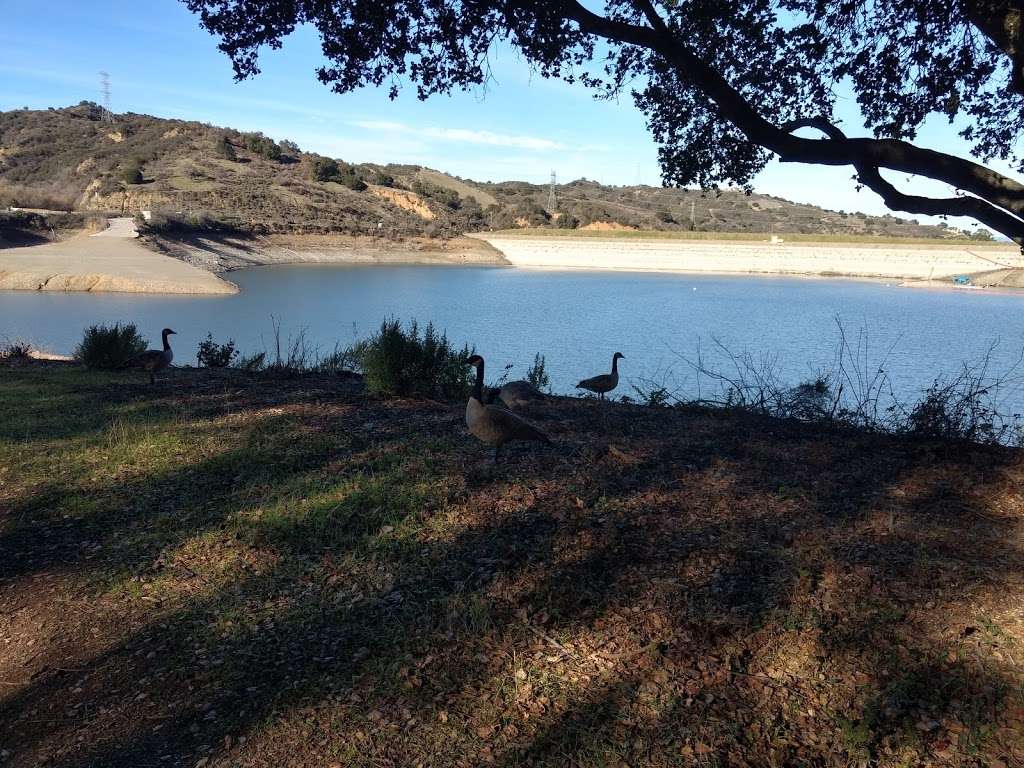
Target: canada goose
[
  {"x": 606, "y": 382},
  {"x": 492, "y": 424},
  {"x": 517, "y": 394},
  {"x": 154, "y": 360}
]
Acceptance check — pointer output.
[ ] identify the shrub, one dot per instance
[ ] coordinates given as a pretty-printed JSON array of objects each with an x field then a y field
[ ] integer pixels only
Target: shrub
[
  {"x": 325, "y": 169},
  {"x": 252, "y": 363},
  {"x": 652, "y": 395},
  {"x": 15, "y": 348},
  {"x": 222, "y": 148},
  {"x": 263, "y": 146},
  {"x": 350, "y": 180},
  {"x": 537, "y": 374},
  {"x": 963, "y": 408},
  {"x": 809, "y": 400},
  {"x": 214, "y": 355},
  {"x": 109, "y": 347},
  {"x": 443, "y": 195},
  {"x": 340, "y": 360},
  {"x": 396, "y": 361},
  {"x": 132, "y": 172},
  {"x": 165, "y": 222},
  {"x": 322, "y": 168}
]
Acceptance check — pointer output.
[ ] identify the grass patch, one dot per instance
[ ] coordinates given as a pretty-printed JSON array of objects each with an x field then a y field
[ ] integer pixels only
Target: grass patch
[{"x": 336, "y": 577}]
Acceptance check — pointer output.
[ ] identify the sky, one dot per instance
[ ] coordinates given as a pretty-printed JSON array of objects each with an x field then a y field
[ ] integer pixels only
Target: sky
[{"x": 520, "y": 127}]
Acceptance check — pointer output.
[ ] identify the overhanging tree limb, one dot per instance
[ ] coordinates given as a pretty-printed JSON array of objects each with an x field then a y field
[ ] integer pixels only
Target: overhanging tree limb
[
  {"x": 870, "y": 176},
  {"x": 993, "y": 190}
]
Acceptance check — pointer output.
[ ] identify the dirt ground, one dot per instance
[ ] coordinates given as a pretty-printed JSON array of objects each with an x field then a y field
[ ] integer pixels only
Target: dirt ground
[{"x": 233, "y": 570}]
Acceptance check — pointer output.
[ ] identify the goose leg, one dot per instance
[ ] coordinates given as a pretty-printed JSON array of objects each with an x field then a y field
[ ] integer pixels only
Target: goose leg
[{"x": 497, "y": 452}]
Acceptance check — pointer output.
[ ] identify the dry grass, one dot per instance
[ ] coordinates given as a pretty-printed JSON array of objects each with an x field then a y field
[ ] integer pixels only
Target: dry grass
[{"x": 223, "y": 570}]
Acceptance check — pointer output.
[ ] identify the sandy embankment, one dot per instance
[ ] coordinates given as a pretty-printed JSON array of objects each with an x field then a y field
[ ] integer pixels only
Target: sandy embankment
[
  {"x": 218, "y": 253},
  {"x": 892, "y": 261},
  {"x": 112, "y": 260}
]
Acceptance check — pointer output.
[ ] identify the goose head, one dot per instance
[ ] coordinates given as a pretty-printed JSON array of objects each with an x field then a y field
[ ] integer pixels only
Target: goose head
[
  {"x": 475, "y": 360},
  {"x": 618, "y": 356},
  {"x": 169, "y": 332}
]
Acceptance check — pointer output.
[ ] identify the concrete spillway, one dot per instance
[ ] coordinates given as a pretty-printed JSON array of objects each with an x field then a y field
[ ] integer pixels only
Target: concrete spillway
[{"x": 908, "y": 262}]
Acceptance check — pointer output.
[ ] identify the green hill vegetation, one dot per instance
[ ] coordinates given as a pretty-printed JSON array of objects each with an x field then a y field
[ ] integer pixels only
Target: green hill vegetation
[{"x": 197, "y": 176}]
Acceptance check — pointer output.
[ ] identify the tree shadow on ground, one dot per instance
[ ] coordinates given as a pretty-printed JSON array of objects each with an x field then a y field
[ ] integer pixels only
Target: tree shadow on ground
[{"x": 703, "y": 591}]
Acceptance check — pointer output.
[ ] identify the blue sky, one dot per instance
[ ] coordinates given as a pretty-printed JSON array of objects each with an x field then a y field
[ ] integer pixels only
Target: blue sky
[{"x": 523, "y": 127}]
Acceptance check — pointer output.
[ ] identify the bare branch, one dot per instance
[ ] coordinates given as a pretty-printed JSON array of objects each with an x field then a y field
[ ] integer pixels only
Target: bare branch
[{"x": 820, "y": 122}]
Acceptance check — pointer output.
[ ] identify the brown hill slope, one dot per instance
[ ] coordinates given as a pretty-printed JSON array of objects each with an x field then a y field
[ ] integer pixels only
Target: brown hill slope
[{"x": 203, "y": 177}]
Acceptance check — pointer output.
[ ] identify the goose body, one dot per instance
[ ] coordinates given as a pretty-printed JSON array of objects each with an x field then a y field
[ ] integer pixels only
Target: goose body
[
  {"x": 517, "y": 394},
  {"x": 153, "y": 360},
  {"x": 494, "y": 425},
  {"x": 605, "y": 382}
]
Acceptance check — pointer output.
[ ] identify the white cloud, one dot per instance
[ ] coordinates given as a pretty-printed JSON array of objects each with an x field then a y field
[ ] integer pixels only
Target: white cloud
[{"x": 463, "y": 135}]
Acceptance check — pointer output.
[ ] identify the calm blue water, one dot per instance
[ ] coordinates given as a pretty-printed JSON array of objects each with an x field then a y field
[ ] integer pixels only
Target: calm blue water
[{"x": 576, "y": 319}]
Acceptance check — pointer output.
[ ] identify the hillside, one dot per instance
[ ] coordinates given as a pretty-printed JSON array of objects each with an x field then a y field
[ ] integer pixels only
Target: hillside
[{"x": 197, "y": 176}]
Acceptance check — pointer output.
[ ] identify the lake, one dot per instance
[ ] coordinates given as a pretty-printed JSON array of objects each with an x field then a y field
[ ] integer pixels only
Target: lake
[{"x": 576, "y": 319}]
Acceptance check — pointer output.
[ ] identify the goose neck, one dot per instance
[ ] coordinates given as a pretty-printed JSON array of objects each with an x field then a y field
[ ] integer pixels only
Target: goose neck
[{"x": 478, "y": 386}]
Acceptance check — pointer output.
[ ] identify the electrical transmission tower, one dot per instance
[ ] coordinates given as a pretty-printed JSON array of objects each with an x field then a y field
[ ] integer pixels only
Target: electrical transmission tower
[
  {"x": 552, "y": 200},
  {"x": 107, "y": 115}
]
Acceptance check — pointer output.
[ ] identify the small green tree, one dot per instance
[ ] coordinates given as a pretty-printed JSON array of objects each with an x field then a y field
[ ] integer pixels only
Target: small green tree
[
  {"x": 322, "y": 168},
  {"x": 537, "y": 375},
  {"x": 214, "y": 355}
]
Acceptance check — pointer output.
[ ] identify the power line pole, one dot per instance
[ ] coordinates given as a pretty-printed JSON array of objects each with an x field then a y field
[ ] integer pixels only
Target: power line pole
[
  {"x": 106, "y": 114},
  {"x": 692, "y": 224},
  {"x": 552, "y": 200}
]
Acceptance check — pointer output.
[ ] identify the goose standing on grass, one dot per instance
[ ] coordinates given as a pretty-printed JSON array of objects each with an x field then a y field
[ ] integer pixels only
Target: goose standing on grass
[
  {"x": 153, "y": 360},
  {"x": 606, "y": 382},
  {"x": 491, "y": 424}
]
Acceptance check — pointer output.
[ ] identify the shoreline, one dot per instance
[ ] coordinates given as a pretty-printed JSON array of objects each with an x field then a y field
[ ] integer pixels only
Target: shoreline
[
  {"x": 222, "y": 254},
  {"x": 198, "y": 264},
  {"x": 111, "y": 261}
]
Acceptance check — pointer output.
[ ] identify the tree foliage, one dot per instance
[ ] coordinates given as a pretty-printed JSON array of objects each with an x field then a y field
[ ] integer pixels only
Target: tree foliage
[
  {"x": 326, "y": 169},
  {"x": 724, "y": 83},
  {"x": 263, "y": 146},
  {"x": 222, "y": 148},
  {"x": 131, "y": 173}
]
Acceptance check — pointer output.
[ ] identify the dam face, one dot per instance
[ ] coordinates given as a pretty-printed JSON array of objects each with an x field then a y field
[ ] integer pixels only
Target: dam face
[{"x": 908, "y": 262}]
